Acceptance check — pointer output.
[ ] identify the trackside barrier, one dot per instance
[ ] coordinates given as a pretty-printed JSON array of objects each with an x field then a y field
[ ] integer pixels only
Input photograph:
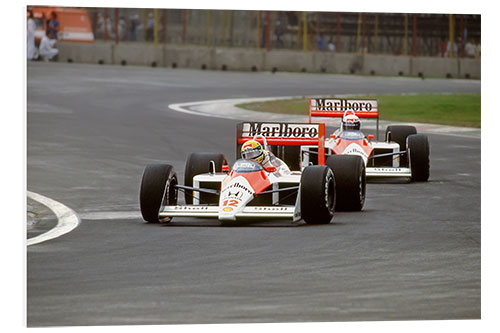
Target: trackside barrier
[{"x": 242, "y": 59}]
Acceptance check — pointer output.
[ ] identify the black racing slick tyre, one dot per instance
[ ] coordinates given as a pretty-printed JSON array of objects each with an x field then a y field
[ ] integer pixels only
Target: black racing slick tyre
[
  {"x": 418, "y": 152},
  {"x": 398, "y": 134},
  {"x": 198, "y": 163},
  {"x": 317, "y": 194},
  {"x": 350, "y": 178},
  {"x": 158, "y": 184}
]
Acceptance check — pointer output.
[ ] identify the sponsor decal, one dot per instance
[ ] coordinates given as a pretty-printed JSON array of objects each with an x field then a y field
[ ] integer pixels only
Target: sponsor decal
[
  {"x": 235, "y": 186},
  {"x": 228, "y": 209},
  {"x": 234, "y": 195},
  {"x": 281, "y": 130},
  {"x": 246, "y": 165},
  {"x": 191, "y": 208},
  {"x": 354, "y": 149},
  {"x": 272, "y": 209},
  {"x": 388, "y": 170},
  {"x": 322, "y": 104},
  {"x": 233, "y": 203}
]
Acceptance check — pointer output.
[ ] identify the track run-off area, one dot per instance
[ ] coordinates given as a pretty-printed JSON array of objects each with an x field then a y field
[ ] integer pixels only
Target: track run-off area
[{"x": 413, "y": 253}]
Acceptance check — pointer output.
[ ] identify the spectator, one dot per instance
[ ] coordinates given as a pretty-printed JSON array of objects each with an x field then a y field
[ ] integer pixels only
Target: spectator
[
  {"x": 134, "y": 23},
  {"x": 455, "y": 49},
  {"x": 278, "y": 32},
  {"x": 104, "y": 28},
  {"x": 470, "y": 49},
  {"x": 331, "y": 46},
  {"x": 150, "y": 28},
  {"x": 478, "y": 50},
  {"x": 321, "y": 43},
  {"x": 30, "y": 33},
  {"x": 53, "y": 26},
  {"x": 442, "y": 47},
  {"x": 122, "y": 28},
  {"x": 47, "y": 50}
]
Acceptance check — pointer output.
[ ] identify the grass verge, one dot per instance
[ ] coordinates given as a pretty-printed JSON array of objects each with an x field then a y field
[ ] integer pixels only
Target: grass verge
[{"x": 447, "y": 109}]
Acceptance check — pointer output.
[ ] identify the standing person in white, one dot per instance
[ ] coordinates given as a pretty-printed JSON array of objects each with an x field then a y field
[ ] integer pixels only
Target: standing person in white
[
  {"x": 30, "y": 33},
  {"x": 47, "y": 51}
]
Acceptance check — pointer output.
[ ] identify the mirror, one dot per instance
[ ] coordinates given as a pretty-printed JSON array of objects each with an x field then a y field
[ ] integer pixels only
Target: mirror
[{"x": 211, "y": 168}]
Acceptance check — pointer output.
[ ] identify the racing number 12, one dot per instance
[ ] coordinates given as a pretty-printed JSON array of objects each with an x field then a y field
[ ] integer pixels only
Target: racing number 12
[{"x": 233, "y": 203}]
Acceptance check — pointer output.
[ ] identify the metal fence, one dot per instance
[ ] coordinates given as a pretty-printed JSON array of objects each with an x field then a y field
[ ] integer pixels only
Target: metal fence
[{"x": 372, "y": 33}]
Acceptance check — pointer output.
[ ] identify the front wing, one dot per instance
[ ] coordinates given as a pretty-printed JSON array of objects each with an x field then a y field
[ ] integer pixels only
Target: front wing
[
  {"x": 213, "y": 211},
  {"x": 387, "y": 172}
]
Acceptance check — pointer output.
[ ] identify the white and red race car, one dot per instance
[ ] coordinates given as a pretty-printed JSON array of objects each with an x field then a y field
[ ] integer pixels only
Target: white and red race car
[
  {"x": 404, "y": 153},
  {"x": 248, "y": 190}
]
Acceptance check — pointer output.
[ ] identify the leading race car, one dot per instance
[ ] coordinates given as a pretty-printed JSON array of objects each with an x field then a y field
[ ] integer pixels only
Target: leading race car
[
  {"x": 404, "y": 153},
  {"x": 248, "y": 189}
]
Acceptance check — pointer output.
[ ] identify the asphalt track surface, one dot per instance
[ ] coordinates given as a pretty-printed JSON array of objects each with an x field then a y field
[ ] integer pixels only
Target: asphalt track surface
[{"x": 413, "y": 253}]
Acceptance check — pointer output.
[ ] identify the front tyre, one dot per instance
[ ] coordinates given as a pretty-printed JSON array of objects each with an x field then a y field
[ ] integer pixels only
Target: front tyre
[
  {"x": 418, "y": 153},
  {"x": 317, "y": 194},
  {"x": 398, "y": 134},
  {"x": 157, "y": 186}
]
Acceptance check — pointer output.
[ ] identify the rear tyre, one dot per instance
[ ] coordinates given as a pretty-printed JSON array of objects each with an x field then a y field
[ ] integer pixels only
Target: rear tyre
[
  {"x": 350, "y": 177},
  {"x": 317, "y": 194},
  {"x": 198, "y": 163},
  {"x": 158, "y": 184},
  {"x": 398, "y": 134},
  {"x": 418, "y": 151}
]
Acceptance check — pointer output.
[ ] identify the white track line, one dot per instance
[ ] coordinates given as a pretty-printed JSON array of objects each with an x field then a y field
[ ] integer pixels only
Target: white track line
[
  {"x": 126, "y": 215},
  {"x": 67, "y": 219},
  {"x": 225, "y": 104}
]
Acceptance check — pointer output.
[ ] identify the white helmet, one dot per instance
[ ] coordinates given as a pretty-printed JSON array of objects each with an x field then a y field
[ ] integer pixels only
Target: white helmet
[{"x": 351, "y": 122}]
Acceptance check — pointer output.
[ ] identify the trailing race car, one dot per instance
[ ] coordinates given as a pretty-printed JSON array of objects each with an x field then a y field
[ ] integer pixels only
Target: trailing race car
[
  {"x": 249, "y": 189},
  {"x": 404, "y": 153}
]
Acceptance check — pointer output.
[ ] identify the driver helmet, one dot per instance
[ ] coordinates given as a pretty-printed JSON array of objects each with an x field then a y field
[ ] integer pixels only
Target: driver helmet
[
  {"x": 252, "y": 150},
  {"x": 351, "y": 122}
]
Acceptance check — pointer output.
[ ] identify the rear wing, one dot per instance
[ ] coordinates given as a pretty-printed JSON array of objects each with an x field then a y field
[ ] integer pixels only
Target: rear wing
[
  {"x": 336, "y": 107},
  {"x": 283, "y": 134}
]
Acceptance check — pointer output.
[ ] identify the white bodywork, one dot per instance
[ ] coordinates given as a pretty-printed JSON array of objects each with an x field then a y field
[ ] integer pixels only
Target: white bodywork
[
  {"x": 394, "y": 171},
  {"x": 235, "y": 194}
]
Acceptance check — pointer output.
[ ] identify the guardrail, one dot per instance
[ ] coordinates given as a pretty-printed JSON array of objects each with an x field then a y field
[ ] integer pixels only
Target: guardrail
[{"x": 243, "y": 59}]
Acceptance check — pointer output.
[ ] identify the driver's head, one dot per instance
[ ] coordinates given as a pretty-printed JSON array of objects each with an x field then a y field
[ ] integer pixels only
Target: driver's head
[
  {"x": 351, "y": 122},
  {"x": 252, "y": 150}
]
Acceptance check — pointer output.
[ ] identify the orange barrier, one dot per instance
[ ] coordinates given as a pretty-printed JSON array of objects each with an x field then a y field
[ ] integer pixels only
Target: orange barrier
[{"x": 74, "y": 24}]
